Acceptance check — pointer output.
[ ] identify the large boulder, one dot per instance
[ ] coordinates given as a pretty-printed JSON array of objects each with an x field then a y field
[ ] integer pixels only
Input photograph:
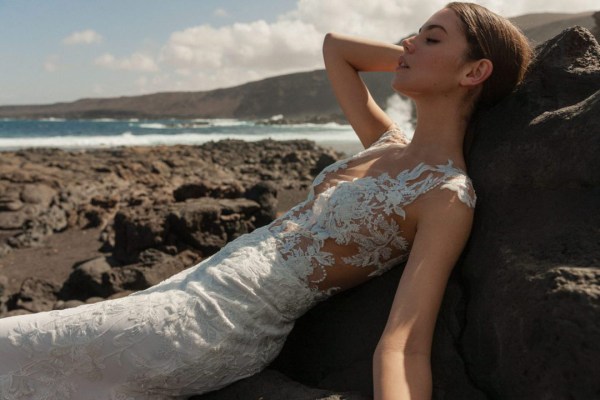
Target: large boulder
[
  {"x": 532, "y": 269},
  {"x": 521, "y": 313},
  {"x": 273, "y": 385},
  {"x": 36, "y": 295},
  {"x": 103, "y": 277},
  {"x": 208, "y": 224}
]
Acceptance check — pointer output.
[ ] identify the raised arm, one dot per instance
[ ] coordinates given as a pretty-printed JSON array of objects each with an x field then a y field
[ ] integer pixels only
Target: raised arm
[
  {"x": 401, "y": 363},
  {"x": 344, "y": 57}
]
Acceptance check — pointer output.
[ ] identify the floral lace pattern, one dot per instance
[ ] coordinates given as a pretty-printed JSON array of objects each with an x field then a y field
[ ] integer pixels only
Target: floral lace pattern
[
  {"x": 227, "y": 317},
  {"x": 360, "y": 219}
]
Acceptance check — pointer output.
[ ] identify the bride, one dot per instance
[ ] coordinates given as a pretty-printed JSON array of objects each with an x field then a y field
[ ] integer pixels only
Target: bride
[{"x": 398, "y": 200}]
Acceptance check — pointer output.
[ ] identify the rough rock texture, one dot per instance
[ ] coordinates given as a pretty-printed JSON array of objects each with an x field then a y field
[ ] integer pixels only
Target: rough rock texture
[
  {"x": 532, "y": 270},
  {"x": 43, "y": 191},
  {"x": 160, "y": 209},
  {"x": 272, "y": 385},
  {"x": 206, "y": 224},
  {"x": 521, "y": 315}
]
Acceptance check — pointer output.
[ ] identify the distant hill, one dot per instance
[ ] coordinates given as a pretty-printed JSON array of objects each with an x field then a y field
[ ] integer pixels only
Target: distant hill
[
  {"x": 541, "y": 27},
  {"x": 300, "y": 96},
  {"x": 304, "y": 95}
]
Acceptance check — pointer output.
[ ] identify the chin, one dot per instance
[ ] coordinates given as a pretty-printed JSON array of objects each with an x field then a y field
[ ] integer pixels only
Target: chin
[
  {"x": 402, "y": 86},
  {"x": 401, "y": 89}
]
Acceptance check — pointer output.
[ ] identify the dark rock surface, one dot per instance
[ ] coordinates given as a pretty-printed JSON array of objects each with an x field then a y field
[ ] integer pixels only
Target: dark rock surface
[
  {"x": 160, "y": 209},
  {"x": 36, "y": 295},
  {"x": 272, "y": 385},
  {"x": 521, "y": 315},
  {"x": 533, "y": 266}
]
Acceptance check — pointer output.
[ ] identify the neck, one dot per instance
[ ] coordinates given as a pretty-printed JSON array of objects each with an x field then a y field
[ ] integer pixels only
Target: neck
[{"x": 440, "y": 130}]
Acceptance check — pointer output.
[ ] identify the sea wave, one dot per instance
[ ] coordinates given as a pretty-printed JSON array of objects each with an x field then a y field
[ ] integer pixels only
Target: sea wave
[
  {"x": 129, "y": 139},
  {"x": 52, "y": 119},
  {"x": 192, "y": 124},
  {"x": 224, "y": 122},
  {"x": 151, "y": 125}
]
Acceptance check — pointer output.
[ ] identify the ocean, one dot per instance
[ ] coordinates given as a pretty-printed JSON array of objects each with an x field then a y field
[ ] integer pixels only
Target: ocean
[
  {"x": 18, "y": 134},
  {"x": 101, "y": 133},
  {"x": 56, "y": 132}
]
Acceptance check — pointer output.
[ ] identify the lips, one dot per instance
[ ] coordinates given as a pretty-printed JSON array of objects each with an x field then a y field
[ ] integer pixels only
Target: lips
[{"x": 402, "y": 64}]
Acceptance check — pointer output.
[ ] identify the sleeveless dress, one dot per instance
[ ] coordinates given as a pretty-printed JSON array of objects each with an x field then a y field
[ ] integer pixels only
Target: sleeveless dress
[{"x": 227, "y": 317}]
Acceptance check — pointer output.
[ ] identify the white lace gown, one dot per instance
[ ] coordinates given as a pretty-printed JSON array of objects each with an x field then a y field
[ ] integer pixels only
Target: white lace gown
[{"x": 227, "y": 317}]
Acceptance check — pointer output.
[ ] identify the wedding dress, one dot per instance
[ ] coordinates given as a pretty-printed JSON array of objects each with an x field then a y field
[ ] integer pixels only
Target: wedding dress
[{"x": 227, "y": 317}]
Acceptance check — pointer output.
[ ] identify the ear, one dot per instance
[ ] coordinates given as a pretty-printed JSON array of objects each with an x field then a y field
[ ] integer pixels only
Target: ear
[{"x": 477, "y": 72}]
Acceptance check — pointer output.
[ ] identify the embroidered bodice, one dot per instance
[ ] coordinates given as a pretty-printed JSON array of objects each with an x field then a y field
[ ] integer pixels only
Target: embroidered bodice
[{"x": 351, "y": 228}]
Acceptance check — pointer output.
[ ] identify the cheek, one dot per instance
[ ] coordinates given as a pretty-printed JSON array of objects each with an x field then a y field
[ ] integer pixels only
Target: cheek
[{"x": 445, "y": 64}]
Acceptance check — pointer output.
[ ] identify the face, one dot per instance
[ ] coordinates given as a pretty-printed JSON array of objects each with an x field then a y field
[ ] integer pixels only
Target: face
[{"x": 434, "y": 60}]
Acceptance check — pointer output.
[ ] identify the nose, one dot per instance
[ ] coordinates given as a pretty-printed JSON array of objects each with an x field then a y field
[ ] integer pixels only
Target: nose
[{"x": 408, "y": 44}]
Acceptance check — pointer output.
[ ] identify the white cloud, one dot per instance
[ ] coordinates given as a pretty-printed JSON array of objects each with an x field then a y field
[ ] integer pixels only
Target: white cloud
[
  {"x": 135, "y": 62},
  {"x": 210, "y": 57},
  {"x": 387, "y": 20},
  {"x": 205, "y": 57},
  {"x": 515, "y": 8},
  {"x": 242, "y": 51},
  {"x": 87, "y": 36},
  {"x": 51, "y": 63}
]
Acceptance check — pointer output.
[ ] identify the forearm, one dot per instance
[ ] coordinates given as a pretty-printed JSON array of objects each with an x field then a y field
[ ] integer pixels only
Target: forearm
[
  {"x": 401, "y": 376},
  {"x": 361, "y": 54}
]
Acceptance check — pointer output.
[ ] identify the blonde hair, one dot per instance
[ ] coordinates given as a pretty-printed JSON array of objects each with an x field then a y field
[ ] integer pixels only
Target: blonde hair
[{"x": 495, "y": 38}]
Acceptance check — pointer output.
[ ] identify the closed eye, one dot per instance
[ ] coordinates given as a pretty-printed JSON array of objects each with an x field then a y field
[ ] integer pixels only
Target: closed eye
[{"x": 429, "y": 40}]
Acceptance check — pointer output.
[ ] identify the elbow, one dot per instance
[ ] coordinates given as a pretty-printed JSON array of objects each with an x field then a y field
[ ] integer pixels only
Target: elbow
[
  {"x": 383, "y": 351},
  {"x": 406, "y": 345},
  {"x": 329, "y": 42}
]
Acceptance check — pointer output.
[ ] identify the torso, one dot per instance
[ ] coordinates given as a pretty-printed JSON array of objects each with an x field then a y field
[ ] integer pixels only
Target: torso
[{"x": 361, "y": 215}]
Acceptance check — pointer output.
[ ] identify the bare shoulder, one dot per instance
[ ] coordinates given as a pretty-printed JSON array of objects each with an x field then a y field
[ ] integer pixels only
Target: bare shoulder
[
  {"x": 391, "y": 135},
  {"x": 448, "y": 209}
]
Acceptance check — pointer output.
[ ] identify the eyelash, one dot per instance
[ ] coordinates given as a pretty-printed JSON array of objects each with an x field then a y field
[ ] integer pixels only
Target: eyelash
[{"x": 431, "y": 41}]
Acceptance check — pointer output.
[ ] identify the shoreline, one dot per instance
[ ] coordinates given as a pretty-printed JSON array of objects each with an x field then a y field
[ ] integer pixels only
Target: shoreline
[{"x": 347, "y": 147}]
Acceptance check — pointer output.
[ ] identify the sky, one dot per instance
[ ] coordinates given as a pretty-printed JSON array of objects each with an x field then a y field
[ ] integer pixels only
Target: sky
[{"x": 64, "y": 50}]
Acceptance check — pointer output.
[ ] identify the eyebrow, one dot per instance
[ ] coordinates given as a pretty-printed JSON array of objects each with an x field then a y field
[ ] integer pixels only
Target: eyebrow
[{"x": 432, "y": 26}]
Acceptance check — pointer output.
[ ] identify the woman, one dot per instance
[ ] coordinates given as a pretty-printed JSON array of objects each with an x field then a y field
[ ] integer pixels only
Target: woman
[
  {"x": 463, "y": 58},
  {"x": 228, "y": 317}
]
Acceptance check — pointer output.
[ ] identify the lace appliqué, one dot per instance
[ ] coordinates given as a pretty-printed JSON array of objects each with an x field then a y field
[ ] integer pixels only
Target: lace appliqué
[{"x": 357, "y": 223}]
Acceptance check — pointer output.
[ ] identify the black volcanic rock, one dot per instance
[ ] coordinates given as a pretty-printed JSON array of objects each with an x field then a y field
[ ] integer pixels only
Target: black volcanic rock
[
  {"x": 44, "y": 191},
  {"x": 159, "y": 209},
  {"x": 273, "y": 385},
  {"x": 532, "y": 269}
]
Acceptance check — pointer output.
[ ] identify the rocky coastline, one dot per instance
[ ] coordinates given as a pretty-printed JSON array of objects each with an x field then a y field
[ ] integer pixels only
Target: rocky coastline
[{"x": 153, "y": 211}]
